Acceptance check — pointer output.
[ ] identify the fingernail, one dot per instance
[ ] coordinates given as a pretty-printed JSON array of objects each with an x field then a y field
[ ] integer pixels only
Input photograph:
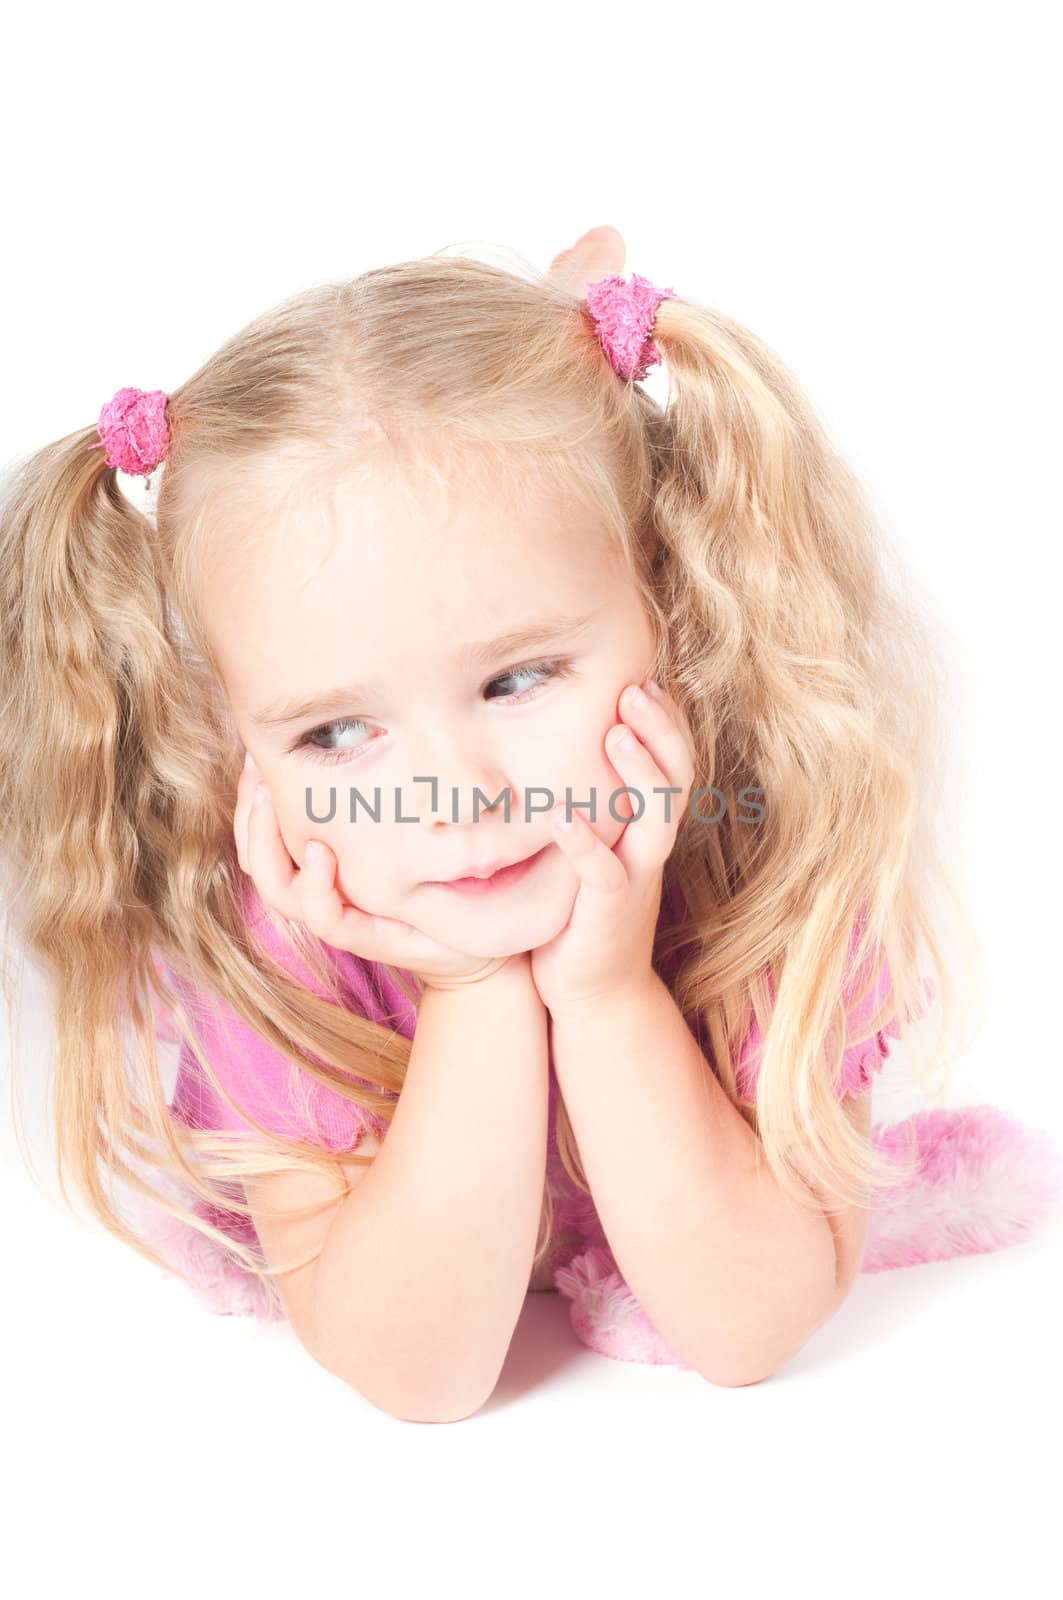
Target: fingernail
[
  {"x": 261, "y": 795},
  {"x": 621, "y": 737},
  {"x": 638, "y": 696},
  {"x": 314, "y": 853},
  {"x": 653, "y": 688}
]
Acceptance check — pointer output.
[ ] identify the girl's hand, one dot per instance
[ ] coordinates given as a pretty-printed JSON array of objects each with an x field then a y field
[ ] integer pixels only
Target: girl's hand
[
  {"x": 309, "y": 895},
  {"x": 607, "y": 944}
]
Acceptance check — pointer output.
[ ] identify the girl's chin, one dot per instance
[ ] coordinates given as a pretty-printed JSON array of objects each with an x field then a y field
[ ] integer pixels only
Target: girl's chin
[{"x": 507, "y": 929}]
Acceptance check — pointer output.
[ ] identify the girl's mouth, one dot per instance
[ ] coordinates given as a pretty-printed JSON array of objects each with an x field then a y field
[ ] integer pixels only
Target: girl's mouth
[{"x": 506, "y": 878}]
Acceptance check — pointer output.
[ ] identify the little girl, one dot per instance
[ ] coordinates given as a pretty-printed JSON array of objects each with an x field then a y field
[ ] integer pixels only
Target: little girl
[{"x": 515, "y": 795}]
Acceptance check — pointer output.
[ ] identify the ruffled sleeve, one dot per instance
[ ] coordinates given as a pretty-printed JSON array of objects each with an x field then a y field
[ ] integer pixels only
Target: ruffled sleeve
[
  {"x": 867, "y": 1047},
  {"x": 863, "y": 1058},
  {"x": 262, "y": 1082}
]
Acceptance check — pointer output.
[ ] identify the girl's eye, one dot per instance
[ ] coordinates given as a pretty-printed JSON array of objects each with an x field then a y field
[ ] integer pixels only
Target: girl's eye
[
  {"x": 539, "y": 672},
  {"x": 323, "y": 753}
]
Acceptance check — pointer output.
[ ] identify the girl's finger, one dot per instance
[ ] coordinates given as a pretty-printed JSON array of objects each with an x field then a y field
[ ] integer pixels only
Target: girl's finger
[
  {"x": 336, "y": 920},
  {"x": 595, "y": 862},
  {"x": 245, "y": 790},
  {"x": 648, "y": 837},
  {"x": 656, "y": 722},
  {"x": 311, "y": 895},
  {"x": 345, "y": 926},
  {"x": 316, "y": 887},
  {"x": 269, "y": 864}
]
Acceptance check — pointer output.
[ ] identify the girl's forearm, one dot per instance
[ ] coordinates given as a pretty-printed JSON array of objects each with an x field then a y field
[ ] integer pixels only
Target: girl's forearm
[
  {"x": 733, "y": 1273},
  {"x": 426, "y": 1266}
]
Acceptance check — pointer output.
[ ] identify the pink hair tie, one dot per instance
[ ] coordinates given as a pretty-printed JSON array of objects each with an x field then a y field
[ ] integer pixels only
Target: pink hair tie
[
  {"x": 134, "y": 430},
  {"x": 624, "y": 314}
]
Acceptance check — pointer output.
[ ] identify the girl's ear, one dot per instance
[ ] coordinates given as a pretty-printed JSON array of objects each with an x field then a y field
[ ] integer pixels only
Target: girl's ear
[{"x": 597, "y": 254}]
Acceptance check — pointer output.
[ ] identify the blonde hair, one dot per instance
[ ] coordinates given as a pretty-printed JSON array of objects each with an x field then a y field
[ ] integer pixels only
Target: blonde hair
[{"x": 802, "y": 664}]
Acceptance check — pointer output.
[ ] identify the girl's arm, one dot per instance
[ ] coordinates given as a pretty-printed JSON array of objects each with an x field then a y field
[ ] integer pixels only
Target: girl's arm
[
  {"x": 734, "y": 1274},
  {"x": 425, "y": 1264}
]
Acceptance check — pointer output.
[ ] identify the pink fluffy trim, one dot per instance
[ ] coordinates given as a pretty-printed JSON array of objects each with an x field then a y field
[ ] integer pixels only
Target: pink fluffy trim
[
  {"x": 983, "y": 1181},
  {"x": 212, "y": 1271}
]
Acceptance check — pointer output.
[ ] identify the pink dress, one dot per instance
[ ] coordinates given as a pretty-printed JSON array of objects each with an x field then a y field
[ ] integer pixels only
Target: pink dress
[{"x": 604, "y": 1313}]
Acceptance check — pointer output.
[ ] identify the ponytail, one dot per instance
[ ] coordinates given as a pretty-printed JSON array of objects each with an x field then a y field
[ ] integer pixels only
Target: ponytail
[
  {"x": 815, "y": 683},
  {"x": 85, "y": 803}
]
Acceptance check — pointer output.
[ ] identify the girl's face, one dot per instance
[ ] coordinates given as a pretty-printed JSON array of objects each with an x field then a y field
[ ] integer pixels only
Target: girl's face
[{"x": 371, "y": 644}]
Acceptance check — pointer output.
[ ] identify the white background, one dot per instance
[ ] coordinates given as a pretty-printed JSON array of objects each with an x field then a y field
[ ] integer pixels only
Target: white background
[{"x": 873, "y": 191}]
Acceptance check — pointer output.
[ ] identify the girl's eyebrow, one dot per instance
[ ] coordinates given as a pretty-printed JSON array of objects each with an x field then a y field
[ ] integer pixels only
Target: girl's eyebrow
[{"x": 546, "y": 630}]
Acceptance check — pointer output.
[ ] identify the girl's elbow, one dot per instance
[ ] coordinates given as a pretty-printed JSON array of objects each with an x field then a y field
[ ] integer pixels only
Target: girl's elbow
[
  {"x": 414, "y": 1402},
  {"x": 738, "y": 1377},
  {"x": 741, "y": 1371}
]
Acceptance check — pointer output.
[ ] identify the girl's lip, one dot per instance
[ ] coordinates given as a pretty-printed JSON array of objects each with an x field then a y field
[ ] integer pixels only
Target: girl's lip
[{"x": 504, "y": 879}]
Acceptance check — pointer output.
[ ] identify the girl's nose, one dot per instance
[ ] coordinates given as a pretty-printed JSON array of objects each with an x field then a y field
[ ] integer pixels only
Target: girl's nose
[{"x": 464, "y": 783}]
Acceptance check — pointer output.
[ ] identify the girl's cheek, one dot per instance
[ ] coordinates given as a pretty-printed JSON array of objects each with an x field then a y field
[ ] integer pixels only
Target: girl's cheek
[
  {"x": 585, "y": 767},
  {"x": 370, "y": 857},
  {"x": 300, "y": 818},
  {"x": 370, "y": 864}
]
